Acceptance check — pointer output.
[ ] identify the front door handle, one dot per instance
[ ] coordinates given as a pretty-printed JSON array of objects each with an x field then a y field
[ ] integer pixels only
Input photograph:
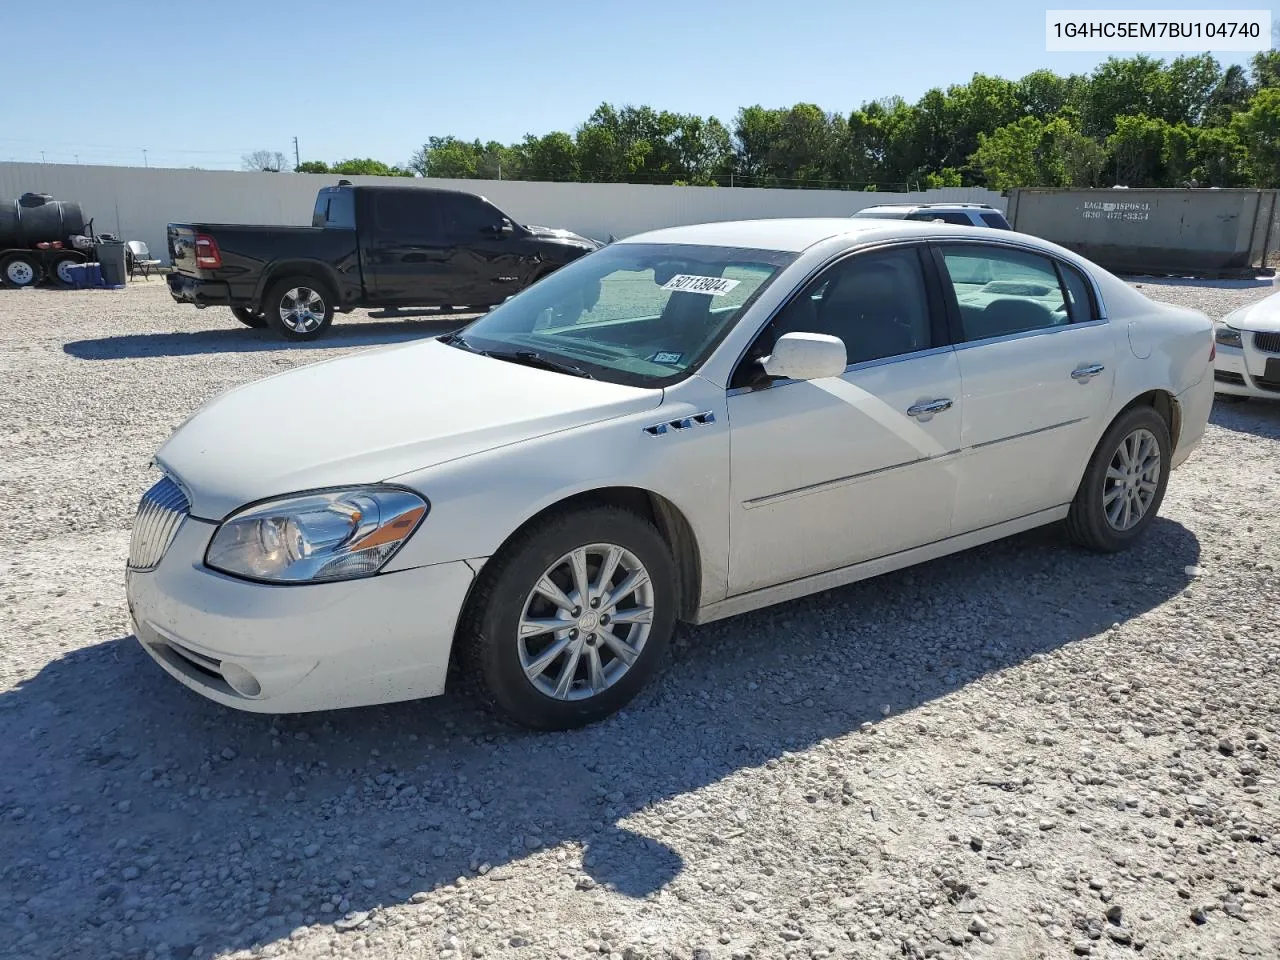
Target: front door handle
[
  {"x": 1087, "y": 372},
  {"x": 928, "y": 408}
]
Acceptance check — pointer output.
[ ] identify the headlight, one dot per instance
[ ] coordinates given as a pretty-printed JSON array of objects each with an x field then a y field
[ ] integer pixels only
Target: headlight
[
  {"x": 331, "y": 535},
  {"x": 1225, "y": 335}
]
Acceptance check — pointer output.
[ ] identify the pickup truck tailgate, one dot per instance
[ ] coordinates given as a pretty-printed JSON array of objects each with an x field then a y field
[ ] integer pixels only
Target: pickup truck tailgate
[{"x": 182, "y": 248}]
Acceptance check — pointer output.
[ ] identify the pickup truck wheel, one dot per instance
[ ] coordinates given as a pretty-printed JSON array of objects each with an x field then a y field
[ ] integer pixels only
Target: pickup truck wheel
[
  {"x": 250, "y": 318},
  {"x": 20, "y": 270},
  {"x": 299, "y": 308}
]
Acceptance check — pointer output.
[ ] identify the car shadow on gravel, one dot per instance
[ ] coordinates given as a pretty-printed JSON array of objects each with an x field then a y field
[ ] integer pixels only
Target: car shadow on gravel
[
  {"x": 1259, "y": 418},
  {"x": 134, "y": 813},
  {"x": 348, "y": 333}
]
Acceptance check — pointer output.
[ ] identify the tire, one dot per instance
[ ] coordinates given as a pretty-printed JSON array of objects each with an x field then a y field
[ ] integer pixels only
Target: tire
[
  {"x": 58, "y": 265},
  {"x": 1097, "y": 518},
  {"x": 286, "y": 295},
  {"x": 506, "y": 595},
  {"x": 250, "y": 318},
  {"x": 20, "y": 270}
]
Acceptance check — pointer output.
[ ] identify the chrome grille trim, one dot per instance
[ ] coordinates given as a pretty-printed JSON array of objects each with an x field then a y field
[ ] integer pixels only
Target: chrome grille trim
[{"x": 160, "y": 514}]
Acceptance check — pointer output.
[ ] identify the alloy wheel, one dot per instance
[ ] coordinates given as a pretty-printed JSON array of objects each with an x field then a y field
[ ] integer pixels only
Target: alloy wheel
[
  {"x": 1133, "y": 476},
  {"x": 585, "y": 622},
  {"x": 302, "y": 309}
]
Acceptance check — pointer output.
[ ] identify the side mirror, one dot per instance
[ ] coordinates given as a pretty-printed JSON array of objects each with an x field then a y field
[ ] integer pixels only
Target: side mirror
[
  {"x": 505, "y": 229},
  {"x": 806, "y": 356}
]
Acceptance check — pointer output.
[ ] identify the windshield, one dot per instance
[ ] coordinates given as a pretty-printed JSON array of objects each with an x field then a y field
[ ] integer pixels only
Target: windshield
[{"x": 635, "y": 313}]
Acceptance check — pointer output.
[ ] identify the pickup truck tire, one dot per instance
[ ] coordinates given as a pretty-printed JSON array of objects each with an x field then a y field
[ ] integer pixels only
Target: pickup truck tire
[
  {"x": 299, "y": 307},
  {"x": 250, "y": 318}
]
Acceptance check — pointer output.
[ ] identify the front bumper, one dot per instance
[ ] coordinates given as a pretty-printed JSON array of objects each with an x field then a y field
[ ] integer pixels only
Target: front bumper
[
  {"x": 292, "y": 649},
  {"x": 1241, "y": 371},
  {"x": 203, "y": 293}
]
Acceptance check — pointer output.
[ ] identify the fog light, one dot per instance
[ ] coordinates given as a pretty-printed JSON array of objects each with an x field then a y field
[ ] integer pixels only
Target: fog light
[{"x": 240, "y": 680}]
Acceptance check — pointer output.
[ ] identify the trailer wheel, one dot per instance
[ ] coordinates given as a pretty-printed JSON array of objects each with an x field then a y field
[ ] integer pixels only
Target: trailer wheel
[
  {"x": 58, "y": 268},
  {"x": 20, "y": 270}
]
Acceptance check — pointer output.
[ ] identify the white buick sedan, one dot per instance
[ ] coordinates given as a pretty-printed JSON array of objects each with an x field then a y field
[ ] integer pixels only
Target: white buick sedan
[
  {"x": 1248, "y": 361},
  {"x": 685, "y": 425}
]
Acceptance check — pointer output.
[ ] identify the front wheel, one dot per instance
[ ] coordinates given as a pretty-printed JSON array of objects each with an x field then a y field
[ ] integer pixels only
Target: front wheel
[
  {"x": 1124, "y": 483},
  {"x": 570, "y": 620},
  {"x": 250, "y": 318},
  {"x": 299, "y": 308}
]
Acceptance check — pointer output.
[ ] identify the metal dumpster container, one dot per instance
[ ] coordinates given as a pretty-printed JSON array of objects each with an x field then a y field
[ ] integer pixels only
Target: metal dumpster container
[{"x": 1186, "y": 232}]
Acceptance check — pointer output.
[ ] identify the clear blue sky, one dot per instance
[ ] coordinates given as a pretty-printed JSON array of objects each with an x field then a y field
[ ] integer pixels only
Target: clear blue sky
[{"x": 202, "y": 83}]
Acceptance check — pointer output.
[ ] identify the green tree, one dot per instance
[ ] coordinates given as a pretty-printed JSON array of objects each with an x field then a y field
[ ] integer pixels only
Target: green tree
[
  {"x": 1218, "y": 158},
  {"x": 552, "y": 157},
  {"x": 1123, "y": 87},
  {"x": 1265, "y": 68},
  {"x": 311, "y": 166},
  {"x": 1149, "y": 152},
  {"x": 1033, "y": 153},
  {"x": 447, "y": 157},
  {"x": 367, "y": 167},
  {"x": 1258, "y": 129}
]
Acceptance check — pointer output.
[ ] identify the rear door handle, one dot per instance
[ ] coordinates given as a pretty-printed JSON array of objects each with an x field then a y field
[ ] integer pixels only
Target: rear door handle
[
  {"x": 1087, "y": 372},
  {"x": 928, "y": 408}
]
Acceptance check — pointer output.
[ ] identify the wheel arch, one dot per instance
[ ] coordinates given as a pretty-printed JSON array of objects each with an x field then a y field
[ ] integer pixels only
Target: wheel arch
[
  {"x": 1165, "y": 404},
  {"x": 669, "y": 520},
  {"x": 297, "y": 268}
]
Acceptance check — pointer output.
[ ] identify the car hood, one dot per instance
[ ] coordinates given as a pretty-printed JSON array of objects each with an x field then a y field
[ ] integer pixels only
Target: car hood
[
  {"x": 373, "y": 416},
  {"x": 1260, "y": 317},
  {"x": 564, "y": 236}
]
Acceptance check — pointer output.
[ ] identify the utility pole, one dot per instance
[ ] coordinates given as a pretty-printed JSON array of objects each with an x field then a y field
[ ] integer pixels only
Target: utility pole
[
  {"x": 499, "y": 169},
  {"x": 42, "y": 160},
  {"x": 297, "y": 159},
  {"x": 144, "y": 157}
]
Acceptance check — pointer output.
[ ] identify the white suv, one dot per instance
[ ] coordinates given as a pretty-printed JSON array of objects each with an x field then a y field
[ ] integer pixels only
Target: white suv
[{"x": 964, "y": 214}]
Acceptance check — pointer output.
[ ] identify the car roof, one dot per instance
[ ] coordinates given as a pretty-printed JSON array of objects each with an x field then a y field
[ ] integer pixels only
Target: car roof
[{"x": 799, "y": 233}]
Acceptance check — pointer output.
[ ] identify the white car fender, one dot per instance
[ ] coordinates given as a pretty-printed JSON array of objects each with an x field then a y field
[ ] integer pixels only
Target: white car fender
[{"x": 478, "y": 502}]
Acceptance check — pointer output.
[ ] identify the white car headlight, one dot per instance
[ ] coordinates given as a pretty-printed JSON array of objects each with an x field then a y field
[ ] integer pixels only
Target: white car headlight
[{"x": 316, "y": 537}]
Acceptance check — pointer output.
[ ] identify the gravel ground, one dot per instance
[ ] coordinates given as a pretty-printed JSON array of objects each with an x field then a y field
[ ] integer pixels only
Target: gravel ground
[{"x": 1024, "y": 751}]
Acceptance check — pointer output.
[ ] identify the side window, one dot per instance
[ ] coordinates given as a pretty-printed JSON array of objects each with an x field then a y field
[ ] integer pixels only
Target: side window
[
  {"x": 995, "y": 220},
  {"x": 1079, "y": 298},
  {"x": 404, "y": 214},
  {"x": 468, "y": 217},
  {"x": 875, "y": 302},
  {"x": 1002, "y": 292}
]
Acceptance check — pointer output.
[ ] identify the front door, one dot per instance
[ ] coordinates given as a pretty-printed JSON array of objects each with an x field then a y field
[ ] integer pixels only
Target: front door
[
  {"x": 491, "y": 263},
  {"x": 1038, "y": 366},
  {"x": 828, "y": 473}
]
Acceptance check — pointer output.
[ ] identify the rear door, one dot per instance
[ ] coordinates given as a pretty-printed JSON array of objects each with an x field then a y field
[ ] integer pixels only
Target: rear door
[
  {"x": 1037, "y": 361},
  {"x": 409, "y": 259}
]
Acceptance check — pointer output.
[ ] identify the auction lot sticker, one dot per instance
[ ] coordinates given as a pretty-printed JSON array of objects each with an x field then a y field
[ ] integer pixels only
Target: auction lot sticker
[
  {"x": 1157, "y": 31},
  {"x": 714, "y": 286}
]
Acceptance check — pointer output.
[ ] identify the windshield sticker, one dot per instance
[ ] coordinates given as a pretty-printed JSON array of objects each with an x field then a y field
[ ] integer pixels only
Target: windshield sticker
[
  {"x": 713, "y": 286},
  {"x": 666, "y": 356}
]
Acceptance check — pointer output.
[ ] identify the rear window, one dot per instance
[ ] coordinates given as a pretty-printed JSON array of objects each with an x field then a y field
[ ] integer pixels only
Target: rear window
[
  {"x": 946, "y": 216},
  {"x": 335, "y": 209},
  {"x": 995, "y": 220}
]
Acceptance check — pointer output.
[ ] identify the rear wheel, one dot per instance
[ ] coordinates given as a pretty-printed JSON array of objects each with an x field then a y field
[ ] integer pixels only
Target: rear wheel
[
  {"x": 1124, "y": 483},
  {"x": 20, "y": 270},
  {"x": 572, "y": 618},
  {"x": 299, "y": 308},
  {"x": 250, "y": 318}
]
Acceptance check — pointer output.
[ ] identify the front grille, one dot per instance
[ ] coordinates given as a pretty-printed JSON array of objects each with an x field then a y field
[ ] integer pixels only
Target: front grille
[
  {"x": 160, "y": 514},
  {"x": 1267, "y": 342},
  {"x": 1266, "y": 384},
  {"x": 1226, "y": 376}
]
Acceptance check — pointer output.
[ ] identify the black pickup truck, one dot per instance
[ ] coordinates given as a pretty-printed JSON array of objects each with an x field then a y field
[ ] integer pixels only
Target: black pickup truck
[{"x": 366, "y": 247}]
